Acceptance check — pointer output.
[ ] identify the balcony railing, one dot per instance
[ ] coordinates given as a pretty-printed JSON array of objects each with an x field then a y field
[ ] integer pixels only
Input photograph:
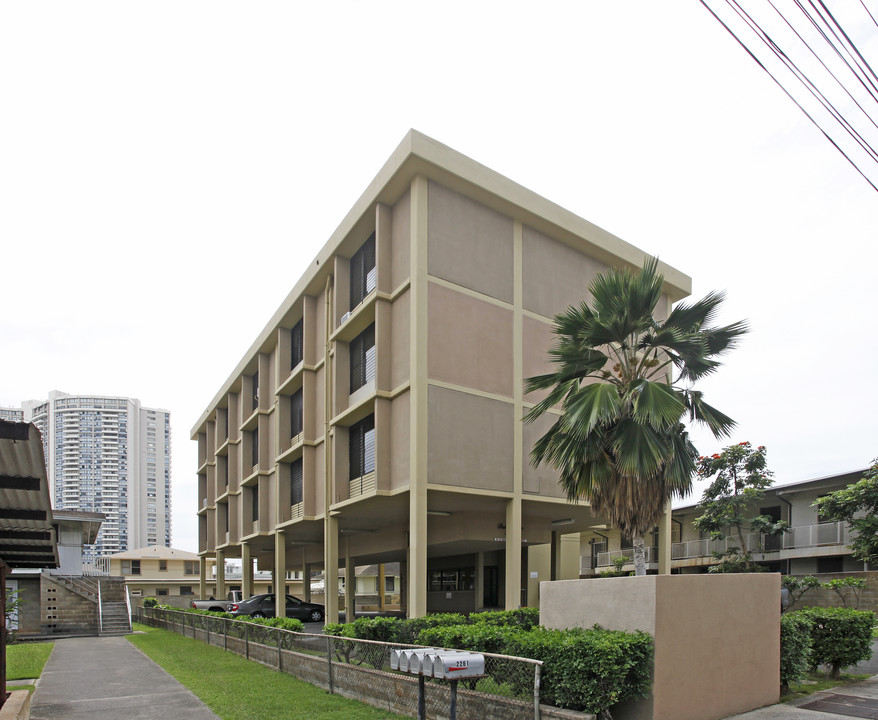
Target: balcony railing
[
  {"x": 98, "y": 566},
  {"x": 605, "y": 559},
  {"x": 803, "y": 536}
]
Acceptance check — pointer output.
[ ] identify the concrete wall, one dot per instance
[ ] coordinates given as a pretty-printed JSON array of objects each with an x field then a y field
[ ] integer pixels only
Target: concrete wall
[{"x": 717, "y": 637}]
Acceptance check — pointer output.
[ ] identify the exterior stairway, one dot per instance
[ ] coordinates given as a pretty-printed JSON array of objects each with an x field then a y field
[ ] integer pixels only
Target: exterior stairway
[{"x": 114, "y": 609}]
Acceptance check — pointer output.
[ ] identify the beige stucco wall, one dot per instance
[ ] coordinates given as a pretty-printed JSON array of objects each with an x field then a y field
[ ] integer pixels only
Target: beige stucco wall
[{"x": 717, "y": 637}]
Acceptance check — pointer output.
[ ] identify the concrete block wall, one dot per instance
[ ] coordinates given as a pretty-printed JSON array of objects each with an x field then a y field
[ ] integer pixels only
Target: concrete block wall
[
  {"x": 64, "y": 611},
  {"x": 820, "y": 597}
]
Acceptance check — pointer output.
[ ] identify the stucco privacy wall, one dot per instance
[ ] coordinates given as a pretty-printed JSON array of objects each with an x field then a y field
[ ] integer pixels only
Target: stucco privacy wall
[{"x": 717, "y": 637}]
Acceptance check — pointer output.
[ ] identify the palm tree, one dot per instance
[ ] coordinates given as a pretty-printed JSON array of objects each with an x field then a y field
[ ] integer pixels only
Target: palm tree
[{"x": 624, "y": 382}]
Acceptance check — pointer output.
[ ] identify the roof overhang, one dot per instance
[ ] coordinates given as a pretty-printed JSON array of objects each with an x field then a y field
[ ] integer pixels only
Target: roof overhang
[{"x": 27, "y": 536}]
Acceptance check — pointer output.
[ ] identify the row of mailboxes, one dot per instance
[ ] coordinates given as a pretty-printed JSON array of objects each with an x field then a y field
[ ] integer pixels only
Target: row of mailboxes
[{"x": 438, "y": 663}]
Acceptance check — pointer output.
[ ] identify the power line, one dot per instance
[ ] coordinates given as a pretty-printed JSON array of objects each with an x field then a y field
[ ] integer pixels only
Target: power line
[{"x": 850, "y": 61}]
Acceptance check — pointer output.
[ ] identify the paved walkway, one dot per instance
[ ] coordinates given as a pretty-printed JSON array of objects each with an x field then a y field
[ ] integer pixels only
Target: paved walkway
[{"x": 107, "y": 678}]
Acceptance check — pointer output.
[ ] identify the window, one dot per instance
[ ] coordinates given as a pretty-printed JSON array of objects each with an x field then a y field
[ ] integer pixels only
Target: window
[
  {"x": 297, "y": 345},
  {"x": 131, "y": 567},
  {"x": 362, "y": 447},
  {"x": 389, "y": 583},
  {"x": 254, "y": 501},
  {"x": 832, "y": 564},
  {"x": 163, "y": 565},
  {"x": 161, "y": 591},
  {"x": 362, "y": 350},
  {"x": 296, "y": 480},
  {"x": 255, "y": 388},
  {"x": 296, "y": 414},
  {"x": 363, "y": 272},
  {"x": 190, "y": 567},
  {"x": 186, "y": 590},
  {"x": 254, "y": 448},
  {"x": 453, "y": 579}
]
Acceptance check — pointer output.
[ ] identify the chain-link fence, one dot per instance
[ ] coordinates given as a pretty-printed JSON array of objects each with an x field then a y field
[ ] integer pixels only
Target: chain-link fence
[{"x": 360, "y": 669}]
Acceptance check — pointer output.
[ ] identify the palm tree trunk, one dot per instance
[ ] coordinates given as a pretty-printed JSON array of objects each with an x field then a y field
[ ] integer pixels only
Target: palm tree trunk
[{"x": 639, "y": 555}]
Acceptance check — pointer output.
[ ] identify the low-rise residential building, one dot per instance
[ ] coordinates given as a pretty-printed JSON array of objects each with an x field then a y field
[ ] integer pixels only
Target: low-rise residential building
[{"x": 157, "y": 571}]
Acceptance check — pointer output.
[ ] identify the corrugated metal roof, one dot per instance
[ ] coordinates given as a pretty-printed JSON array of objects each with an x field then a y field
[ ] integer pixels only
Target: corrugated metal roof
[{"x": 27, "y": 538}]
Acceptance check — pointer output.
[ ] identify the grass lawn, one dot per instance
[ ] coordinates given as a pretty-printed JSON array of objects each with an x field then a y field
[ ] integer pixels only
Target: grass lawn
[
  {"x": 239, "y": 689},
  {"x": 817, "y": 681},
  {"x": 26, "y": 660}
]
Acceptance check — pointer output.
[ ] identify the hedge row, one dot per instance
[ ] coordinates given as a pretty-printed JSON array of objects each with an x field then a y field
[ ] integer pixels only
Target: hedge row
[
  {"x": 284, "y": 623},
  {"x": 583, "y": 669},
  {"x": 835, "y": 637}
]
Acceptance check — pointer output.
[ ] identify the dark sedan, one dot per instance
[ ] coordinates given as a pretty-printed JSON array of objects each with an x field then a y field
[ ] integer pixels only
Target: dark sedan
[{"x": 263, "y": 606}]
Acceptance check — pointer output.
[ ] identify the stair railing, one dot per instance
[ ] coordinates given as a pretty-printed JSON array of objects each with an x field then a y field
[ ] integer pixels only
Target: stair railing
[
  {"x": 100, "y": 611},
  {"x": 128, "y": 606}
]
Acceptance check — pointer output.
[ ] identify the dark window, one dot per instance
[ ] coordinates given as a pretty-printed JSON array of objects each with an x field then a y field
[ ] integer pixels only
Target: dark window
[
  {"x": 821, "y": 518},
  {"x": 296, "y": 414},
  {"x": 161, "y": 592},
  {"x": 163, "y": 565},
  {"x": 296, "y": 479},
  {"x": 362, "y": 445},
  {"x": 254, "y": 499},
  {"x": 834, "y": 564},
  {"x": 255, "y": 390},
  {"x": 297, "y": 348},
  {"x": 254, "y": 449},
  {"x": 453, "y": 579},
  {"x": 363, "y": 272},
  {"x": 186, "y": 590},
  {"x": 363, "y": 358}
]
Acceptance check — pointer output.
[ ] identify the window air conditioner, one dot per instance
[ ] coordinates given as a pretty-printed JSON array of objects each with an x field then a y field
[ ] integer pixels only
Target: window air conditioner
[{"x": 344, "y": 318}]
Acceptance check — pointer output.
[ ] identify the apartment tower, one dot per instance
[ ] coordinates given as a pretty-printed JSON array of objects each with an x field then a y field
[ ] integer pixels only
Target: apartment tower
[
  {"x": 108, "y": 455},
  {"x": 377, "y": 416}
]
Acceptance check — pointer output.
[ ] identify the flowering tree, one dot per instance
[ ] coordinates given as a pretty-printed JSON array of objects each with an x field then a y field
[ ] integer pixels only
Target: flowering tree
[{"x": 740, "y": 479}]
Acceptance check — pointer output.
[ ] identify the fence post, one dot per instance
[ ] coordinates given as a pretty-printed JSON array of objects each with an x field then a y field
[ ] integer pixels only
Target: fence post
[
  {"x": 329, "y": 660},
  {"x": 225, "y": 633},
  {"x": 536, "y": 692},
  {"x": 247, "y": 640},
  {"x": 280, "y": 660}
]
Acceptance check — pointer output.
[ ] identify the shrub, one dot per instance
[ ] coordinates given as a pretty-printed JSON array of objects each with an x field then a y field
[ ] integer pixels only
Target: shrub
[
  {"x": 588, "y": 669},
  {"x": 481, "y": 637},
  {"x": 378, "y": 628},
  {"x": 284, "y": 623},
  {"x": 149, "y": 602},
  {"x": 795, "y": 648},
  {"x": 523, "y": 618},
  {"x": 840, "y": 637}
]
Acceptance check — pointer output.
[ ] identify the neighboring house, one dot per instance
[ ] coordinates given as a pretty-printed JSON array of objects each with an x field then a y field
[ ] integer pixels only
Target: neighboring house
[
  {"x": 157, "y": 571},
  {"x": 811, "y": 546},
  {"x": 108, "y": 455},
  {"x": 377, "y": 416}
]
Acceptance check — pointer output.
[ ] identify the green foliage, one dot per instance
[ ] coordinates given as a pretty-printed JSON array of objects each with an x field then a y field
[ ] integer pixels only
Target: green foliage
[
  {"x": 857, "y": 505},
  {"x": 13, "y": 604},
  {"x": 617, "y": 571},
  {"x": 740, "y": 477},
  {"x": 150, "y": 602},
  {"x": 848, "y": 588},
  {"x": 284, "y": 623},
  {"x": 27, "y": 660},
  {"x": 795, "y": 648},
  {"x": 840, "y": 637},
  {"x": 624, "y": 382},
  {"x": 525, "y": 618},
  {"x": 797, "y": 587},
  {"x": 480, "y": 637}
]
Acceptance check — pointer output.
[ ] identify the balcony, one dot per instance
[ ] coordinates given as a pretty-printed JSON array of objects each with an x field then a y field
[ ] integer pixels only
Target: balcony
[
  {"x": 605, "y": 559},
  {"x": 797, "y": 538}
]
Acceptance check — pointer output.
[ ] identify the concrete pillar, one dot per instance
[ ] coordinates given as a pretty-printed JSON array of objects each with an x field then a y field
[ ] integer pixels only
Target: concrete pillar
[
  {"x": 664, "y": 542},
  {"x": 480, "y": 581},
  {"x": 513, "y": 553},
  {"x": 246, "y": 571},
  {"x": 202, "y": 577},
  {"x": 555, "y": 568},
  {"x": 279, "y": 576},
  {"x": 306, "y": 579},
  {"x": 350, "y": 584},
  {"x": 330, "y": 569},
  {"x": 381, "y": 587},
  {"x": 220, "y": 574}
]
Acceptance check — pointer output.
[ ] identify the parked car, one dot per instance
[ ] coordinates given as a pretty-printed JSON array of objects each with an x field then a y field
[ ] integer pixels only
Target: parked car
[
  {"x": 217, "y": 605},
  {"x": 263, "y": 606}
]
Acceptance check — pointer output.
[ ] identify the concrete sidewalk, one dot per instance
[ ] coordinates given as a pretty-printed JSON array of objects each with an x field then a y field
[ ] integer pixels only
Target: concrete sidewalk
[{"x": 107, "y": 678}]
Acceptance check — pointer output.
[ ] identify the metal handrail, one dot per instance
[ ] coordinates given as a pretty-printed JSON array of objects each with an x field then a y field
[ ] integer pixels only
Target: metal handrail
[
  {"x": 100, "y": 611},
  {"x": 128, "y": 607}
]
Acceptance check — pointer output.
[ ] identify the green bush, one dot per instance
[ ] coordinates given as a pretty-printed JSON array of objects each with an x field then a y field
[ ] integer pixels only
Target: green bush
[
  {"x": 149, "y": 602},
  {"x": 840, "y": 637},
  {"x": 284, "y": 623},
  {"x": 523, "y": 618},
  {"x": 588, "y": 669},
  {"x": 480, "y": 637},
  {"x": 795, "y": 648}
]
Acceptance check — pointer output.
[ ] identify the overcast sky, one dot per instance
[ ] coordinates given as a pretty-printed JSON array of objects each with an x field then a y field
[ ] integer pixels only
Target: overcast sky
[{"x": 169, "y": 169}]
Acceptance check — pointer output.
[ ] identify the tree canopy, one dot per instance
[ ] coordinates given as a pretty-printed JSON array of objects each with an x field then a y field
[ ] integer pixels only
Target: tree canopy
[
  {"x": 857, "y": 505},
  {"x": 622, "y": 388}
]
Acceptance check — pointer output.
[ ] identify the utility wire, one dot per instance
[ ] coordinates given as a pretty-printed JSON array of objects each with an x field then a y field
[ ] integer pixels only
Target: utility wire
[
  {"x": 787, "y": 92},
  {"x": 850, "y": 49}
]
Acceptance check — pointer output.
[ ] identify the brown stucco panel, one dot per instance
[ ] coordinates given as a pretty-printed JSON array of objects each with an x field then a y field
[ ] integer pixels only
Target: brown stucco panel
[
  {"x": 469, "y": 244},
  {"x": 401, "y": 240},
  {"x": 469, "y": 341},
  {"x": 469, "y": 440}
]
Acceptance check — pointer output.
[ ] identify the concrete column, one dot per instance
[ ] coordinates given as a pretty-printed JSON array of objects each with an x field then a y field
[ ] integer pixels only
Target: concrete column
[
  {"x": 381, "y": 587},
  {"x": 279, "y": 576},
  {"x": 664, "y": 542},
  {"x": 220, "y": 574},
  {"x": 513, "y": 553},
  {"x": 202, "y": 577},
  {"x": 306, "y": 579},
  {"x": 417, "y": 546},
  {"x": 480, "y": 581},
  {"x": 246, "y": 571},
  {"x": 555, "y": 572},
  {"x": 350, "y": 584},
  {"x": 330, "y": 569}
]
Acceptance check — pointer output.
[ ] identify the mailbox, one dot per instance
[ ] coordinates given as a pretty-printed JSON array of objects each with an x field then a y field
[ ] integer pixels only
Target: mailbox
[
  {"x": 409, "y": 659},
  {"x": 454, "y": 665}
]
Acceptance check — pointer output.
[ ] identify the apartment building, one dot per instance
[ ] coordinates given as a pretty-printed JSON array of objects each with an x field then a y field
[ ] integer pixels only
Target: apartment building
[
  {"x": 377, "y": 416},
  {"x": 109, "y": 455},
  {"x": 813, "y": 545}
]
